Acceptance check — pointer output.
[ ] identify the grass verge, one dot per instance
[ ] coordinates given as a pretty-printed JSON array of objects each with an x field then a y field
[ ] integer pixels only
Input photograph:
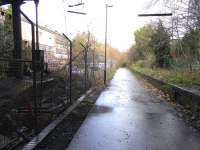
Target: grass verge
[{"x": 181, "y": 78}]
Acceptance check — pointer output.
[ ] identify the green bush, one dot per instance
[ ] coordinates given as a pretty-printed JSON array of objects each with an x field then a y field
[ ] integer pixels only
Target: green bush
[
  {"x": 149, "y": 62},
  {"x": 140, "y": 63},
  {"x": 123, "y": 65}
]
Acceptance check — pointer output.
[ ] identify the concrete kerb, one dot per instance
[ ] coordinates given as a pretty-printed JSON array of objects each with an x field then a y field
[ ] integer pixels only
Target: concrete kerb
[
  {"x": 179, "y": 94},
  {"x": 47, "y": 130}
]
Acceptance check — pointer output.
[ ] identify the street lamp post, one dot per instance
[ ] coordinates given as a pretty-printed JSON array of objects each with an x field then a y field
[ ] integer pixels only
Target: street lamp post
[{"x": 106, "y": 26}]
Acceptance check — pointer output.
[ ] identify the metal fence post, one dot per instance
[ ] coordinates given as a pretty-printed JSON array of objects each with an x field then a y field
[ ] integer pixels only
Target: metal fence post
[
  {"x": 70, "y": 69},
  {"x": 93, "y": 65},
  {"x": 85, "y": 61},
  {"x": 85, "y": 69},
  {"x": 34, "y": 69}
]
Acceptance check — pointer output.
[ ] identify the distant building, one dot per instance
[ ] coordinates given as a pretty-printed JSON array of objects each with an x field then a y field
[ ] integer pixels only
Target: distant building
[{"x": 53, "y": 43}]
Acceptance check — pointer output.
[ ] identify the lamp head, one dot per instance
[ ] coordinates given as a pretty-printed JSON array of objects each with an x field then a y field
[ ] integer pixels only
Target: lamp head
[
  {"x": 36, "y": 1},
  {"x": 107, "y": 5}
]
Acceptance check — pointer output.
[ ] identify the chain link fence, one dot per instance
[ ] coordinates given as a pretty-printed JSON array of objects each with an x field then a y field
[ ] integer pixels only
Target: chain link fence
[
  {"x": 184, "y": 64},
  {"x": 40, "y": 85},
  {"x": 45, "y": 89}
]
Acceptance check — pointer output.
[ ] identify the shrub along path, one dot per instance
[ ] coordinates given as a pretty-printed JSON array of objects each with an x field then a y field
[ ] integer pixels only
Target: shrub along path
[{"x": 185, "y": 79}]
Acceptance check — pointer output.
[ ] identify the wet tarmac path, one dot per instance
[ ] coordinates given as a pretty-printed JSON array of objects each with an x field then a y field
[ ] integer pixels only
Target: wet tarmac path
[{"x": 128, "y": 117}]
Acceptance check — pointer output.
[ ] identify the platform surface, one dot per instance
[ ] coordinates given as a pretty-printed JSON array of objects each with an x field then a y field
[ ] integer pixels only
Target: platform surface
[{"x": 128, "y": 117}]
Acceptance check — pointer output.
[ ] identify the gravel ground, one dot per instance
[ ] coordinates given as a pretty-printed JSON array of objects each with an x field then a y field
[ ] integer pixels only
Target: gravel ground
[{"x": 63, "y": 134}]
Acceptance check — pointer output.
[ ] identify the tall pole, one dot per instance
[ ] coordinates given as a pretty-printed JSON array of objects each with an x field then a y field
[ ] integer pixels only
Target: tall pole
[
  {"x": 37, "y": 48},
  {"x": 36, "y": 15},
  {"x": 70, "y": 73},
  {"x": 17, "y": 35},
  {"x": 70, "y": 68},
  {"x": 87, "y": 50},
  {"x": 93, "y": 65},
  {"x": 105, "y": 62},
  {"x": 34, "y": 69},
  {"x": 85, "y": 56},
  {"x": 106, "y": 26},
  {"x": 85, "y": 64}
]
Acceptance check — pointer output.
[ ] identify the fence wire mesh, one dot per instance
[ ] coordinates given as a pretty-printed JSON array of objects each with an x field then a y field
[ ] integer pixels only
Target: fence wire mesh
[
  {"x": 40, "y": 85},
  {"x": 26, "y": 109}
]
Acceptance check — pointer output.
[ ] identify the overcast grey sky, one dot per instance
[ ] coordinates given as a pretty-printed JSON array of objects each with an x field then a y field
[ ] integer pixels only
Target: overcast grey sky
[{"x": 122, "y": 18}]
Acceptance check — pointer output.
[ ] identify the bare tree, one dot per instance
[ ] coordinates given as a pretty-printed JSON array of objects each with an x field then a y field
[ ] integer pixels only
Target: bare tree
[{"x": 184, "y": 22}]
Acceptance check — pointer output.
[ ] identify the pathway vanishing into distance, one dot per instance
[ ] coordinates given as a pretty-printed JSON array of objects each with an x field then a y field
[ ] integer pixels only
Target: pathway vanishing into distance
[{"x": 128, "y": 117}]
